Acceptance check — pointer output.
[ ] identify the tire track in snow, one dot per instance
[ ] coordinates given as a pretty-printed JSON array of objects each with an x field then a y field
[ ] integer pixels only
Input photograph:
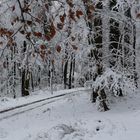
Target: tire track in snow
[{"x": 10, "y": 112}]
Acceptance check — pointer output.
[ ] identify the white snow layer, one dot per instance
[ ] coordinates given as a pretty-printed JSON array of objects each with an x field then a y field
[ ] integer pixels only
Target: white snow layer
[{"x": 75, "y": 118}]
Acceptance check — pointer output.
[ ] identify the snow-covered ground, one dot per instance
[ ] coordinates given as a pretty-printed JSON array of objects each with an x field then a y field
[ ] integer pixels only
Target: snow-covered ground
[
  {"x": 75, "y": 118},
  {"x": 6, "y": 103}
]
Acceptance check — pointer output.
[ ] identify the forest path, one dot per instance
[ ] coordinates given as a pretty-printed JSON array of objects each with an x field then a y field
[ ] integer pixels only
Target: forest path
[
  {"x": 35, "y": 103},
  {"x": 75, "y": 118}
]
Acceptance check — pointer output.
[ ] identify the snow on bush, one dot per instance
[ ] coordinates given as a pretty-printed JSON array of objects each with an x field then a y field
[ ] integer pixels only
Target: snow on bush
[{"x": 113, "y": 82}]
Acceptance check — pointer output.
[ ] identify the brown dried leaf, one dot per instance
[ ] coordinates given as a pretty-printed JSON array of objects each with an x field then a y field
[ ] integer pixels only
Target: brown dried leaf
[
  {"x": 138, "y": 15},
  {"x": 51, "y": 33},
  {"x": 74, "y": 47},
  {"x": 79, "y": 13},
  {"x": 62, "y": 18},
  {"x": 37, "y": 34},
  {"x": 43, "y": 47},
  {"x": 70, "y": 3},
  {"x": 91, "y": 8},
  {"x": 58, "y": 48}
]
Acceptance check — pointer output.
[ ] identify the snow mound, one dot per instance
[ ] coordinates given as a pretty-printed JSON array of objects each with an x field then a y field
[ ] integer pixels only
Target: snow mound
[
  {"x": 56, "y": 133},
  {"x": 78, "y": 131},
  {"x": 63, "y": 132}
]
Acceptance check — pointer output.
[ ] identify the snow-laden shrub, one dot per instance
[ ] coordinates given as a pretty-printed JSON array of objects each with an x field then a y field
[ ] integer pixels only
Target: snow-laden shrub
[
  {"x": 114, "y": 83},
  {"x": 108, "y": 84}
]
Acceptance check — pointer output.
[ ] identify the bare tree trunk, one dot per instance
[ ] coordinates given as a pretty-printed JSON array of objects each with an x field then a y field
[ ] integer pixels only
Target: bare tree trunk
[
  {"x": 65, "y": 74},
  {"x": 70, "y": 75},
  {"x": 134, "y": 56},
  {"x": 25, "y": 83},
  {"x": 25, "y": 75},
  {"x": 95, "y": 25}
]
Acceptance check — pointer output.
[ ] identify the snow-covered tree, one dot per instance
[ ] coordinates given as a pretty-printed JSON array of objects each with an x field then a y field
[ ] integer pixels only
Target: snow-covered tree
[{"x": 46, "y": 43}]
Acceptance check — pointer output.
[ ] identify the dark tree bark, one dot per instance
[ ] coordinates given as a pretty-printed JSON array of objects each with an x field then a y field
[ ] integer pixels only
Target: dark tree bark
[
  {"x": 25, "y": 83},
  {"x": 134, "y": 56},
  {"x": 70, "y": 75},
  {"x": 102, "y": 97},
  {"x": 97, "y": 40},
  {"x": 65, "y": 74},
  {"x": 116, "y": 42},
  {"x": 32, "y": 82},
  {"x": 127, "y": 39},
  {"x": 114, "y": 36},
  {"x": 25, "y": 75}
]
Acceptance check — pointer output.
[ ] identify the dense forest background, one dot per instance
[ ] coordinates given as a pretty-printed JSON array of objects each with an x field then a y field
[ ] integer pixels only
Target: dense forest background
[{"x": 64, "y": 44}]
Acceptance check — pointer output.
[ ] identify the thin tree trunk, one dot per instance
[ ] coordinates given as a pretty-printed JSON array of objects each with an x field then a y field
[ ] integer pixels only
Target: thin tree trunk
[
  {"x": 25, "y": 75},
  {"x": 95, "y": 24},
  {"x": 65, "y": 74},
  {"x": 134, "y": 56},
  {"x": 70, "y": 75},
  {"x": 25, "y": 83}
]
